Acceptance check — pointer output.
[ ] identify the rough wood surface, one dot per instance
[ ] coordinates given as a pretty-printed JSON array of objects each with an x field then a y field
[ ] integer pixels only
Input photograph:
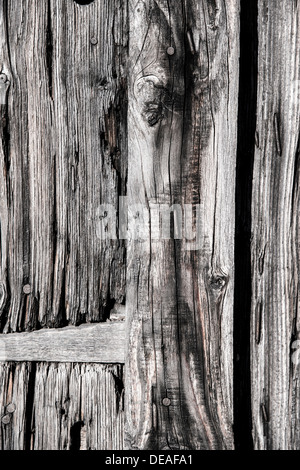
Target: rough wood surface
[
  {"x": 101, "y": 343},
  {"x": 78, "y": 406},
  {"x": 183, "y": 94},
  {"x": 61, "y": 406},
  {"x": 62, "y": 154},
  {"x": 275, "y": 230},
  {"x": 14, "y": 381}
]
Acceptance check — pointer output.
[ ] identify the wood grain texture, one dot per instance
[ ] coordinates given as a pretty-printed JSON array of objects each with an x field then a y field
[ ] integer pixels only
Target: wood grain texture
[
  {"x": 275, "y": 230},
  {"x": 78, "y": 407},
  {"x": 14, "y": 381},
  {"x": 101, "y": 343},
  {"x": 61, "y": 406},
  {"x": 182, "y": 130},
  {"x": 63, "y": 153}
]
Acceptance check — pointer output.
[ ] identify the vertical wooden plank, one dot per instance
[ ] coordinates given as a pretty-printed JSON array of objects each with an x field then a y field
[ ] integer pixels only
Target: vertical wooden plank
[
  {"x": 182, "y": 148},
  {"x": 15, "y": 243},
  {"x": 275, "y": 230},
  {"x": 5, "y": 78},
  {"x": 63, "y": 153},
  {"x": 78, "y": 407},
  {"x": 14, "y": 381},
  {"x": 89, "y": 92}
]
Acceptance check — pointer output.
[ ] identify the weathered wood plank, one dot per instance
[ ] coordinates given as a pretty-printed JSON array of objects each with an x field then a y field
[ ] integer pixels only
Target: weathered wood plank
[
  {"x": 61, "y": 406},
  {"x": 78, "y": 406},
  {"x": 275, "y": 230},
  {"x": 63, "y": 152},
  {"x": 5, "y": 78},
  {"x": 100, "y": 343},
  {"x": 182, "y": 128},
  {"x": 14, "y": 381}
]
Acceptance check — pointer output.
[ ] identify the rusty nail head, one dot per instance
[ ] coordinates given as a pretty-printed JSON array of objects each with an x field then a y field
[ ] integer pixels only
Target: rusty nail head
[
  {"x": 170, "y": 51},
  {"x": 94, "y": 40},
  {"x": 166, "y": 401},
  {"x": 27, "y": 289},
  {"x": 5, "y": 419},
  {"x": 3, "y": 77},
  {"x": 11, "y": 408}
]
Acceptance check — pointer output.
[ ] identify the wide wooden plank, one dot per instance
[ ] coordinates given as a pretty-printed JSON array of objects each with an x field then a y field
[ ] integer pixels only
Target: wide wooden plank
[
  {"x": 62, "y": 153},
  {"x": 78, "y": 407},
  {"x": 275, "y": 231},
  {"x": 182, "y": 129},
  {"x": 100, "y": 343}
]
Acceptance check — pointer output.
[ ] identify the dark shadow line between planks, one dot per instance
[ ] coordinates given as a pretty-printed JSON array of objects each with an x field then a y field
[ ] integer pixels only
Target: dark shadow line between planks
[
  {"x": 244, "y": 176},
  {"x": 29, "y": 410}
]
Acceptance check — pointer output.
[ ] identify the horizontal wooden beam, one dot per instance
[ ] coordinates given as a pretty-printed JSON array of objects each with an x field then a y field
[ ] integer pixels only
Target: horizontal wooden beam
[{"x": 101, "y": 343}]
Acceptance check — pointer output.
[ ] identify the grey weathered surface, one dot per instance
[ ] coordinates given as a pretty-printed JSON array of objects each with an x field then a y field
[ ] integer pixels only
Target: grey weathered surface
[
  {"x": 275, "y": 230},
  {"x": 14, "y": 380},
  {"x": 78, "y": 404},
  {"x": 62, "y": 154},
  {"x": 67, "y": 406},
  {"x": 182, "y": 147},
  {"x": 101, "y": 343}
]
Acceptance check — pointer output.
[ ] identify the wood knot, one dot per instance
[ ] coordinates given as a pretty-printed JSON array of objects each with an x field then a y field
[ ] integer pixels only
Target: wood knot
[
  {"x": 3, "y": 78},
  {"x": 153, "y": 99},
  {"x": 218, "y": 282}
]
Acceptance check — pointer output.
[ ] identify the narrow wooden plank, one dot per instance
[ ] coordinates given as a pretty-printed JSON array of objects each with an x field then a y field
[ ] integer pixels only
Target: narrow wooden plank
[
  {"x": 100, "y": 343},
  {"x": 14, "y": 381},
  {"x": 78, "y": 407},
  {"x": 5, "y": 80},
  {"x": 183, "y": 94},
  {"x": 275, "y": 228},
  {"x": 63, "y": 151}
]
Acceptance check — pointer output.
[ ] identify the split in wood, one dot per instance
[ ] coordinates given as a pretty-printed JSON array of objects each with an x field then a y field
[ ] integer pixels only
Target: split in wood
[{"x": 277, "y": 134}]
